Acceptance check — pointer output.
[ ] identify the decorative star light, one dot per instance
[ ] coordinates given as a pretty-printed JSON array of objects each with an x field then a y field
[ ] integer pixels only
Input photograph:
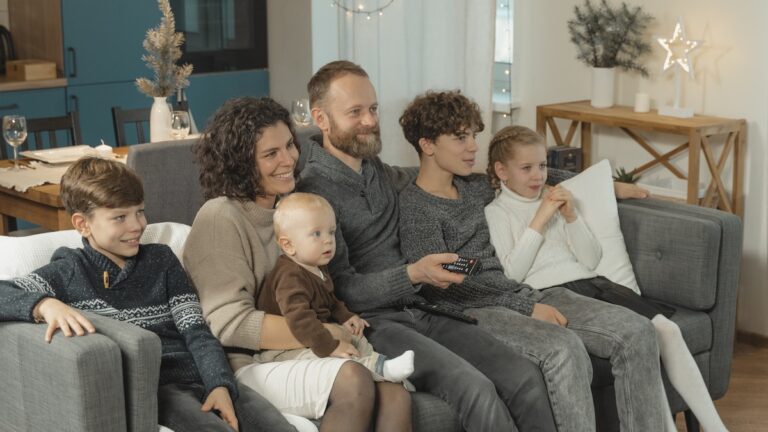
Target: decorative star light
[{"x": 678, "y": 38}]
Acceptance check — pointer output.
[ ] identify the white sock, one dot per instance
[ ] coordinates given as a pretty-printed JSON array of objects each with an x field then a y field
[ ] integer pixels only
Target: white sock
[
  {"x": 684, "y": 374},
  {"x": 399, "y": 368}
]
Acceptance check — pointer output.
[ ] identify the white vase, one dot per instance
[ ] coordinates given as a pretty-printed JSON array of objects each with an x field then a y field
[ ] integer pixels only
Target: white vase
[
  {"x": 602, "y": 87},
  {"x": 159, "y": 121}
]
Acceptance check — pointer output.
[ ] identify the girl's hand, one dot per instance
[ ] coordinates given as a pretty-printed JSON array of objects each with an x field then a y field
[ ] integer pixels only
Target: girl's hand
[
  {"x": 568, "y": 209},
  {"x": 356, "y": 325},
  {"x": 546, "y": 210},
  {"x": 59, "y": 315}
]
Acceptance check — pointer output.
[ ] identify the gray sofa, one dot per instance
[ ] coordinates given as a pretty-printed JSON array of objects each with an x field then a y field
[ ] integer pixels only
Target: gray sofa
[{"x": 684, "y": 255}]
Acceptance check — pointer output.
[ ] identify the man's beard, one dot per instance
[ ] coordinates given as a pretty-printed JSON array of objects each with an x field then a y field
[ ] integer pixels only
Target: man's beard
[{"x": 349, "y": 143}]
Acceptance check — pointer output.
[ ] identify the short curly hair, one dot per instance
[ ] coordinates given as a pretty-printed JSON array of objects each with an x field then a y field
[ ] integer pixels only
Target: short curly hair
[
  {"x": 226, "y": 152},
  {"x": 433, "y": 114},
  {"x": 503, "y": 145},
  {"x": 92, "y": 182}
]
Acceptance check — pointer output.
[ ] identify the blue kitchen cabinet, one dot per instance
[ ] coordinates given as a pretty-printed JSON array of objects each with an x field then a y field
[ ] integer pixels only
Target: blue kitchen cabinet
[
  {"x": 33, "y": 103},
  {"x": 103, "y": 39},
  {"x": 95, "y": 102},
  {"x": 207, "y": 92}
]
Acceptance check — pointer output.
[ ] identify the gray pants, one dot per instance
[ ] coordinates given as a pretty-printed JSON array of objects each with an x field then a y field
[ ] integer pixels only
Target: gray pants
[
  {"x": 627, "y": 339},
  {"x": 490, "y": 385}
]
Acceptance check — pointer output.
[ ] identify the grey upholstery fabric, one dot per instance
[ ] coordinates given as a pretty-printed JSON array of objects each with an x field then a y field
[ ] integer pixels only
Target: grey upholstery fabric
[
  {"x": 140, "y": 350},
  {"x": 68, "y": 385},
  {"x": 172, "y": 190}
]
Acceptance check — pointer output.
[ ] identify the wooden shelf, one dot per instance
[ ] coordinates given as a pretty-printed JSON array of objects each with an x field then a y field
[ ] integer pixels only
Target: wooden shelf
[{"x": 698, "y": 129}]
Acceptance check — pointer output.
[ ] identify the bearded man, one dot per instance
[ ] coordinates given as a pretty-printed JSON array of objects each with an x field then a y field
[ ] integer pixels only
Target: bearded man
[{"x": 491, "y": 386}]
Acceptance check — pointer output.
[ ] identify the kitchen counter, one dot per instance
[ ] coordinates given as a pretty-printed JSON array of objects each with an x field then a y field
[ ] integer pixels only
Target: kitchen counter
[{"x": 8, "y": 85}]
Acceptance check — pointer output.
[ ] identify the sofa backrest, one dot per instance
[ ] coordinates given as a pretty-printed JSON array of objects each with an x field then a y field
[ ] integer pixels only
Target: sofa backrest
[
  {"x": 172, "y": 191},
  {"x": 22, "y": 255}
]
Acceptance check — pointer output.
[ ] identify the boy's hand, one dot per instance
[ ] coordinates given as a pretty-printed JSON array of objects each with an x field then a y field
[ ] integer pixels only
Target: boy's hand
[
  {"x": 60, "y": 315},
  {"x": 429, "y": 270},
  {"x": 345, "y": 350},
  {"x": 338, "y": 332},
  {"x": 549, "y": 314},
  {"x": 628, "y": 190},
  {"x": 218, "y": 399},
  {"x": 356, "y": 325},
  {"x": 568, "y": 210},
  {"x": 546, "y": 210}
]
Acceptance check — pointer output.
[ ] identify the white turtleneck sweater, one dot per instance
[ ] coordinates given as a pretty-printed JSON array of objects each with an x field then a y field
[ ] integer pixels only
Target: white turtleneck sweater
[{"x": 565, "y": 252}]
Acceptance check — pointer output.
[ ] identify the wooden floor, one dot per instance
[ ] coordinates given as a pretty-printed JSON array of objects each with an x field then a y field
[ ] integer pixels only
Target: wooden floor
[{"x": 745, "y": 407}]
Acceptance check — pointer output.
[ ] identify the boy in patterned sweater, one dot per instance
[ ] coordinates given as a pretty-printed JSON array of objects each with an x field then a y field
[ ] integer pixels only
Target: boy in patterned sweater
[{"x": 113, "y": 275}]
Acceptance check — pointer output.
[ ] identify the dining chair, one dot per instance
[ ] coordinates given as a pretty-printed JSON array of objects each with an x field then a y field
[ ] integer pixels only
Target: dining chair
[
  {"x": 136, "y": 117},
  {"x": 50, "y": 132}
]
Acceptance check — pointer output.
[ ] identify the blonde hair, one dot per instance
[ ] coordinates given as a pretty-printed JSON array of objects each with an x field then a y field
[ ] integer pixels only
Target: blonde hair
[
  {"x": 503, "y": 145},
  {"x": 295, "y": 204}
]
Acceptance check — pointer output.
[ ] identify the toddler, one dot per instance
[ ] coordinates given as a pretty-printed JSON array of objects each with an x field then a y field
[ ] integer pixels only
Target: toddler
[{"x": 301, "y": 289}]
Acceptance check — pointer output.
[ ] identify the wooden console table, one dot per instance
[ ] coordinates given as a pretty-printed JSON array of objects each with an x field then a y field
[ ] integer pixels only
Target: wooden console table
[{"x": 698, "y": 129}]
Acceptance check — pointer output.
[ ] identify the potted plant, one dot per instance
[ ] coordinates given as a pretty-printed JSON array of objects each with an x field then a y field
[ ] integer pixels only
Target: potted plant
[
  {"x": 163, "y": 46},
  {"x": 607, "y": 38},
  {"x": 625, "y": 177}
]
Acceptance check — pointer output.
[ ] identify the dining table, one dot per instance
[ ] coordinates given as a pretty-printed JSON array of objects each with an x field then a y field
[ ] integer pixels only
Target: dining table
[{"x": 40, "y": 205}]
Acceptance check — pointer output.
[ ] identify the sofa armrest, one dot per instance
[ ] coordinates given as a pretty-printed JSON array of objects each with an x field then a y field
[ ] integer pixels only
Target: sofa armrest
[
  {"x": 71, "y": 384},
  {"x": 141, "y": 352},
  {"x": 689, "y": 256}
]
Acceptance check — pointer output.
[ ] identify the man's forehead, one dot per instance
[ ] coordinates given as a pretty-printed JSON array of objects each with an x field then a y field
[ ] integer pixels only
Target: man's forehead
[{"x": 351, "y": 90}]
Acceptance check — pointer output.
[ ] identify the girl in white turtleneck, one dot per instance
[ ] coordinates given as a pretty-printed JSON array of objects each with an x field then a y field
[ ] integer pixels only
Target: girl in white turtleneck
[{"x": 541, "y": 241}]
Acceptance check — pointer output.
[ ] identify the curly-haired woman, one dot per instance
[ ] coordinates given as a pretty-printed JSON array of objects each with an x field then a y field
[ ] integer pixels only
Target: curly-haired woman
[{"x": 247, "y": 159}]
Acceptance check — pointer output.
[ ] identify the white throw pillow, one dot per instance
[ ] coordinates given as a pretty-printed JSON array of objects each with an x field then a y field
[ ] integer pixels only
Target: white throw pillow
[
  {"x": 596, "y": 202},
  {"x": 22, "y": 255}
]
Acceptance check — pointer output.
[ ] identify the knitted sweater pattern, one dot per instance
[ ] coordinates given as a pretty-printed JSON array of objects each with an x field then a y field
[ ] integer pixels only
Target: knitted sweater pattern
[
  {"x": 430, "y": 224},
  {"x": 152, "y": 291}
]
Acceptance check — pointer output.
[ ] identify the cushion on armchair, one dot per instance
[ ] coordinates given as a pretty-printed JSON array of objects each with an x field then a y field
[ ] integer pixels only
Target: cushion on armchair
[{"x": 22, "y": 255}]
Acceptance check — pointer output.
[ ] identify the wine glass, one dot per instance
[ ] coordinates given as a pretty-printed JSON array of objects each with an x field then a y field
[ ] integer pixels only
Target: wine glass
[
  {"x": 301, "y": 113},
  {"x": 179, "y": 124},
  {"x": 15, "y": 132}
]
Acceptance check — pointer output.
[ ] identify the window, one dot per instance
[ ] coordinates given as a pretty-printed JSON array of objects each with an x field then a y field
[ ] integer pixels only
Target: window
[
  {"x": 222, "y": 35},
  {"x": 503, "y": 56}
]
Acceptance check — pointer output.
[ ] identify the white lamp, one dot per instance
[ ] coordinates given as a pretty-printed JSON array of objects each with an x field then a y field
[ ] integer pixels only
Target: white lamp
[{"x": 678, "y": 61}]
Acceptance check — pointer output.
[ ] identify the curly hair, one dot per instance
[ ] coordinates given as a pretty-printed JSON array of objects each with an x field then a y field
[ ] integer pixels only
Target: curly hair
[
  {"x": 93, "y": 182},
  {"x": 503, "y": 145},
  {"x": 433, "y": 114},
  {"x": 226, "y": 152},
  {"x": 318, "y": 85}
]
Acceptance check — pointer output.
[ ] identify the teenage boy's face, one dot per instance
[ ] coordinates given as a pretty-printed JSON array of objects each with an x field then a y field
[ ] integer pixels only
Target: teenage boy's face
[
  {"x": 351, "y": 116},
  {"x": 115, "y": 232},
  {"x": 526, "y": 173},
  {"x": 454, "y": 153},
  {"x": 311, "y": 237}
]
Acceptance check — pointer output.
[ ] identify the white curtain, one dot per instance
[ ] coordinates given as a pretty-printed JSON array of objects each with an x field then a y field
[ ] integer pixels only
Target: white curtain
[{"x": 418, "y": 45}]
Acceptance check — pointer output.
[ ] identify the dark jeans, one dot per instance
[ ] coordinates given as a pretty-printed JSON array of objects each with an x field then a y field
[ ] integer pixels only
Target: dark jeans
[
  {"x": 179, "y": 409},
  {"x": 481, "y": 378}
]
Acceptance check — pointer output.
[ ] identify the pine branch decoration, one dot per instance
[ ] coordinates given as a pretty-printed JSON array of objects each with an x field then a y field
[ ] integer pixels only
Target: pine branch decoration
[
  {"x": 163, "y": 46},
  {"x": 610, "y": 37}
]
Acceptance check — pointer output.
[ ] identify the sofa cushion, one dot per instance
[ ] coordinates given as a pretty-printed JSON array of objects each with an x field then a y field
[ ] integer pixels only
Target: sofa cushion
[
  {"x": 22, "y": 255},
  {"x": 596, "y": 202}
]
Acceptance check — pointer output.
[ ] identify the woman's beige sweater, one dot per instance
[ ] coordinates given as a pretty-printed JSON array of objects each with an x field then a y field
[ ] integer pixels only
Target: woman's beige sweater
[{"x": 228, "y": 255}]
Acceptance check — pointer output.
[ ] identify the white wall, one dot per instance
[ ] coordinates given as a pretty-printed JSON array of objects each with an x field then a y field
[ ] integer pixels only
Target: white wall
[
  {"x": 4, "y": 13},
  {"x": 289, "y": 36},
  {"x": 730, "y": 81}
]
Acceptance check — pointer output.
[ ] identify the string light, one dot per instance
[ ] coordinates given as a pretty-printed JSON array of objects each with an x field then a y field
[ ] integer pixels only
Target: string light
[{"x": 361, "y": 10}]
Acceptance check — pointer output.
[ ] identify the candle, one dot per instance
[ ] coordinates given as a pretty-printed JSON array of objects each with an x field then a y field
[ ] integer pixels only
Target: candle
[{"x": 642, "y": 102}]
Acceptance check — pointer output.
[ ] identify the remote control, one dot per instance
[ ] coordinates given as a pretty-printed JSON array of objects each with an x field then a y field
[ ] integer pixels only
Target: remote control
[{"x": 468, "y": 266}]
